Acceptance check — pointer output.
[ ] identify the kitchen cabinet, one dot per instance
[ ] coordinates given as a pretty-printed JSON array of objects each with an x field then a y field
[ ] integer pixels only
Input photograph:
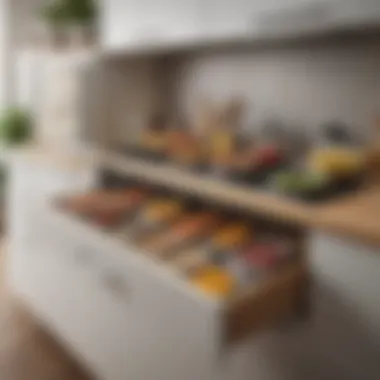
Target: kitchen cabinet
[
  {"x": 129, "y": 316},
  {"x": 34, "y": 179},
  {"x": 89, "y": 290},
  {"x": 351, "y": 13},
  {"x": 134, "y": 24},
  {"x": 150, "y": 25},
  {"x": 244, "y": 19}
]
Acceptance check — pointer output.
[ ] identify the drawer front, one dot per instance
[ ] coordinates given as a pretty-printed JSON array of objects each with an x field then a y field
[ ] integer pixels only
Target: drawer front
[{"x": 143, "y": 324}]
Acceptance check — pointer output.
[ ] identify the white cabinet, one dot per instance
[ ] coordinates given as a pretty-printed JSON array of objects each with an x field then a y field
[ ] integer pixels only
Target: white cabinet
[
  {"x": 229, "y": 18},
  {"x": 356, "y": 12},
  {"x": 32, "y": 184},
  {"x": 149, "y": 24},
  {"x": 124, "y": 319},
  {"x": 129, "y": 24},
  {"x": 257, "y": 18}
]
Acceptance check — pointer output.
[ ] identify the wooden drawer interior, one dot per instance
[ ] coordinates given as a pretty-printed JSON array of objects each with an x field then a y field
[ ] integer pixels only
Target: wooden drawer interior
[{"x": 278, "y": 299}]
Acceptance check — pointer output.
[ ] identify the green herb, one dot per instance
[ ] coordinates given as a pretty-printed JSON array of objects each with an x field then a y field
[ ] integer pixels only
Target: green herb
[
  {"x": 58, "y": 12},
  {"x": 54, "y": 12},
  {"x": 15, "y": 126}
]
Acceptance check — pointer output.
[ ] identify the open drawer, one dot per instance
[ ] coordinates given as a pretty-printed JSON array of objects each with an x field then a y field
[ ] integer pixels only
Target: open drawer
[
  {"x": 151, "y": 309},
  {"x": 266, "y": 302}
]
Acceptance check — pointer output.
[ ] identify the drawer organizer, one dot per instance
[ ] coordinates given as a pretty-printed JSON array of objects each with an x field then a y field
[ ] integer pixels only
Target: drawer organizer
[{"x": 252, "y": 273}]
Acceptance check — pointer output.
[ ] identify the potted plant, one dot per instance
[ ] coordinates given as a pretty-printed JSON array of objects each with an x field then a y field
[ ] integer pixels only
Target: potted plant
[
  {"x": 15, "y": 127},
  {"x": 76, "y": 18},
  {"x": 54, "y": 15}
]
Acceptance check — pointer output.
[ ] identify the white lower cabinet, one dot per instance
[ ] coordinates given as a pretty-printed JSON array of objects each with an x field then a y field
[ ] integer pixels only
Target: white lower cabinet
[
  {"x": 122, "y": 318},
  {"x": 33, "y": 183},
  {"x": 128, "y": 317},
  {"x": 122, "y": 315}
]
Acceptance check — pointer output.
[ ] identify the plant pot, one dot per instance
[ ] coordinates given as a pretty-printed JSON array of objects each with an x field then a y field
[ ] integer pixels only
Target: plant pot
[
  {"x": 80, "y": 35},
  {"x": 56, "y": 37}
]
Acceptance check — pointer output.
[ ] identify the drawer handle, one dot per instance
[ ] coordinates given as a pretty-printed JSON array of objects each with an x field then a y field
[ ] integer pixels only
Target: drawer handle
[{"x": 116, "y": 285}]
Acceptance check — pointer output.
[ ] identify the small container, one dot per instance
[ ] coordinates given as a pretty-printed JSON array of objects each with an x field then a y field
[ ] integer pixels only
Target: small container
[
  {"x": 242, "y": 272},
  {"x": 222, "y": 147},
  {"x": 154, "y": 139},
  {"x": 214, "y": 281},
  {"x": 191, "y": 261},
  {"x": 262, "y": 257},
  {"x": 186, "y": 232},
  {"x": 285, "y": 248},
  {"x": 152, "y": 217},
  {"x": 185, "y": 149},
  {"x": 223, "y": 137},
  {"x": 107, "y": 208},
  {"x": 231, "y": 237}
]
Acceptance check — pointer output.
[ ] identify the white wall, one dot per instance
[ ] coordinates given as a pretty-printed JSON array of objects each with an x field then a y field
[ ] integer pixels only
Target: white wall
[
  {"x": 17, "y": 22},
  {"x": 22, "y": 20},
  {"x": 306, "y": 85},
  {"x": 4, "y": 53}
]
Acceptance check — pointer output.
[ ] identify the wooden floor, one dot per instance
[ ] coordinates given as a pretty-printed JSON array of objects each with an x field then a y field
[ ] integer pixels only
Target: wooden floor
[{"x": 26, "y": 352}]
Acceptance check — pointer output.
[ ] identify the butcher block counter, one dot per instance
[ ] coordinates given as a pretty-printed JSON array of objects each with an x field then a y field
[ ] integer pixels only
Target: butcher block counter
[{"x": 355, "y": 214}]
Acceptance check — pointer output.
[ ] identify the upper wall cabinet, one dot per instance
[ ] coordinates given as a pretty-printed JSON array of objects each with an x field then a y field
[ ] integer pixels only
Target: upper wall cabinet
[
  {"x": 134, "y": 24},
  {"x": 260, "y": 18},
  {"x": 252, "y": 19},
  {"x": 356, "y": 12}
]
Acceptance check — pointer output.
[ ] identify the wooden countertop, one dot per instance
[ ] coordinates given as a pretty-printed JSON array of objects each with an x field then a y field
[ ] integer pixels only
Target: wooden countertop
[{"x": 356, "y": 215}]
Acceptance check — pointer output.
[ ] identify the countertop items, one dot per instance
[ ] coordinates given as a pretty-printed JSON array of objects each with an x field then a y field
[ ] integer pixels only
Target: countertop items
[{"x": 220, "y": 149}]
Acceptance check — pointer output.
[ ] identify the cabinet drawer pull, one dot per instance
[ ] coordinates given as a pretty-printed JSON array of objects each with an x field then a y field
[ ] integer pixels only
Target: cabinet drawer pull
[{"x": 116, "y": 285}]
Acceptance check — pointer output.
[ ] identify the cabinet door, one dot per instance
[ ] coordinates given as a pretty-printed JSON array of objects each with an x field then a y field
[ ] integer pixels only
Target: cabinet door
[
  {"x": 356, "y": 12},
  {"x": 120, "y": 21},
  {"x": 229, "y": 18},
  {"x": 245, "y": 18},
  {"x": 133, "y": 23}
]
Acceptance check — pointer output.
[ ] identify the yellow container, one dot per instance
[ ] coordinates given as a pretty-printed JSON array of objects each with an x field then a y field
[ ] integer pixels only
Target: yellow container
[
  {"x": 214, "y": 281},
  {"x": 337, "y": 161},
  {"x": 161, "y": 209},
  {"x": 232, "y": 236}
]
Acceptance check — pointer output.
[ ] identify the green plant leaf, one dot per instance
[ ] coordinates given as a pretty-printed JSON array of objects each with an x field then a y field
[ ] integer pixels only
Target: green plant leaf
[
  {"x": 15, "y": 126},
  {"x": 69, "y": 11}
]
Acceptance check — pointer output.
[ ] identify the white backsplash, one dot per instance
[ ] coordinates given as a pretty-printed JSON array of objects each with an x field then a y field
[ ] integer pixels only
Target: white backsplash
[{"x": 304, "y": 85}]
